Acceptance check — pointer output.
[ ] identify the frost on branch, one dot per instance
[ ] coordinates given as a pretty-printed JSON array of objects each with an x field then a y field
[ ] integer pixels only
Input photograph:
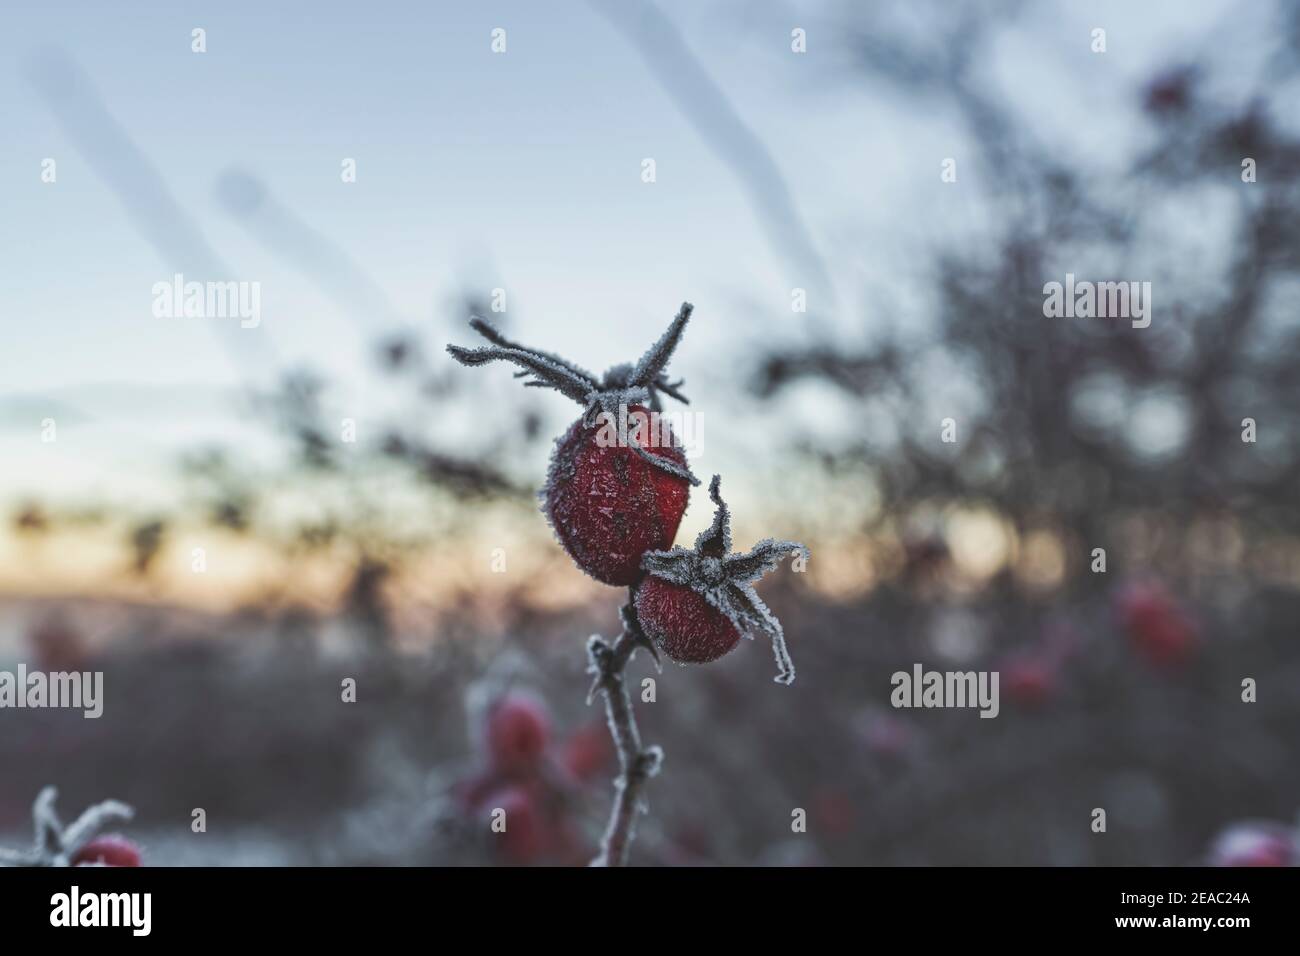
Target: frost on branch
[
  {"x": 726, "y": 580},
  {"x": 57, "y": 845}
]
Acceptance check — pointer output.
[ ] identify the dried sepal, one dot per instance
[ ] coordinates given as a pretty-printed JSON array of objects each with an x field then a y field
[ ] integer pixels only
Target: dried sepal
[
  {"x": 94, "y": 821},
  {"x": 547, "y": 374},
  {"x": 671, "y": 565},
  {"x": 716, "y": 540},
  {"x": 623, "y": 386},
  {"x": 56, "y": 845},
  {"x": 763, "y": 557},
  {"x": 45, "y": 821},
  {"x": 666, "y": 464},
  {"x": 650, "y": 369},
  {"x": 749, "y": 607},
  {"x": 493, "y": 335}
]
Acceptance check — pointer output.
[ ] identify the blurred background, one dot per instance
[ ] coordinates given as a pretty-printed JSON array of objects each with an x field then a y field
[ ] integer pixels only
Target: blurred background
[{"x": 184, "y": 509}]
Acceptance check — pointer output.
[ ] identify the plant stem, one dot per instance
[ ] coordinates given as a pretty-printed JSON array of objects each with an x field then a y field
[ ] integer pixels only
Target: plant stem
[{"x": 638, "y": 764}]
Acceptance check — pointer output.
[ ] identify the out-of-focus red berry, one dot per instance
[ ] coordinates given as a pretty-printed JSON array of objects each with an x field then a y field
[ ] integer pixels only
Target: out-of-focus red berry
[
  {"x": 471, "y": 791},
  {"x": 569, "y": 847},
  {"x": 690, "y": 845},
  {"x": 885, "y": 735},
  {"x": 57, "y": 645},
  {"x": 1254, "y": 844},
  {"x": 524, "y": 838},
  {"x": 1159, "y": 629},
  {"x": 833, "y": 811},
  {"x": 1169, "y": 92},
  {"x": 1028, "y": 680},
  {"x": 588, "y": 751},
  {"x": 518, "y": 731},
  {"x": 108, "y": 850}
]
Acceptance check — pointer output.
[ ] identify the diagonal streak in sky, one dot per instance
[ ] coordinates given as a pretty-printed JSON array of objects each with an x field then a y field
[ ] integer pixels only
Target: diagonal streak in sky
[
  {"x": 127, "y": 170},
  {"x": 707, "y": 108}
]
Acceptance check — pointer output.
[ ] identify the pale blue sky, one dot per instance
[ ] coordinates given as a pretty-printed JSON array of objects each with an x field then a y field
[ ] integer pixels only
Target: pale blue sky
[{"x": 520, "y": 170}]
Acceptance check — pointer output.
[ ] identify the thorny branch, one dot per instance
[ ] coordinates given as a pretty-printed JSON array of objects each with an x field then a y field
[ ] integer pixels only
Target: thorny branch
[{"x": 638, "y": 763}]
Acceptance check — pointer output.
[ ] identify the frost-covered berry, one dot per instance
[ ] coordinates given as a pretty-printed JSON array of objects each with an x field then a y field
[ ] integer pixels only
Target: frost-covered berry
[
  {"x": 1159, "y": 629},
  {"x": 609, "y": 505},
  {"x": 523, "y": 839},
  {"x": 695, "y": 605},
  {"x": 1255, "y": 843},
  {"x": 683, "y": 623},
  {"x": 617, "y": 485},
  {"x": 109, "y": 850},
  {"x": 518, "y": 731}
]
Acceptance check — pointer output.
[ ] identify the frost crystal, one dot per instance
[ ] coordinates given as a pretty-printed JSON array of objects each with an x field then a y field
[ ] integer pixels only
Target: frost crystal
[
  {"x": 55, "y": 844},
  {"x": 727, "y": 580}
]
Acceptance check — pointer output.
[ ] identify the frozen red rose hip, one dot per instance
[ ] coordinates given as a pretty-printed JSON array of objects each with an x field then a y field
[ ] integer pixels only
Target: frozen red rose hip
[
  {"x": 696, "y": 604},
  {"x": 682, "y": 622},
  {"x": 518, "y": 731},
  {"x": 110, "y": 850},
  {"x": 615, "y": 489},
  {"x": 609, "y": 505},
  {"x": 1158, "y": 627},
  {"x": 517, "y": 821}
]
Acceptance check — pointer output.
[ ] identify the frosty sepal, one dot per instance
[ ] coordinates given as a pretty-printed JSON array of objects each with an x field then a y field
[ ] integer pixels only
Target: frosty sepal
[
  {"x": 623, "y": 386},
  {"x": 55, "y": 844},
  {"x": 691, "y": 630}
]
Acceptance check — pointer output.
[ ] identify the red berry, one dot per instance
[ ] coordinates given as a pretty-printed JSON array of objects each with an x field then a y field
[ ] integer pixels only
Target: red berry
[
  {"x": 1028, "y": 681},
  {"x": 618, "y": 484},
  {"x": 523, "y": 840},
  {"x": 58, "y": 646},
  {"x": 588, "y": 751},
  {"x": 109, "y": 850},
  {"x": 471, "y": 792},
  {"x": 1254, "y": 844},
  {"x": 1159, "y": 629},
  {"x": 683, "y": 624},
  {"x": 833, "y": 811},
  {"x": 518, "y": 731},
  {"x": 1170, "y": 92},
  {"x": 608, "y": 505}
]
